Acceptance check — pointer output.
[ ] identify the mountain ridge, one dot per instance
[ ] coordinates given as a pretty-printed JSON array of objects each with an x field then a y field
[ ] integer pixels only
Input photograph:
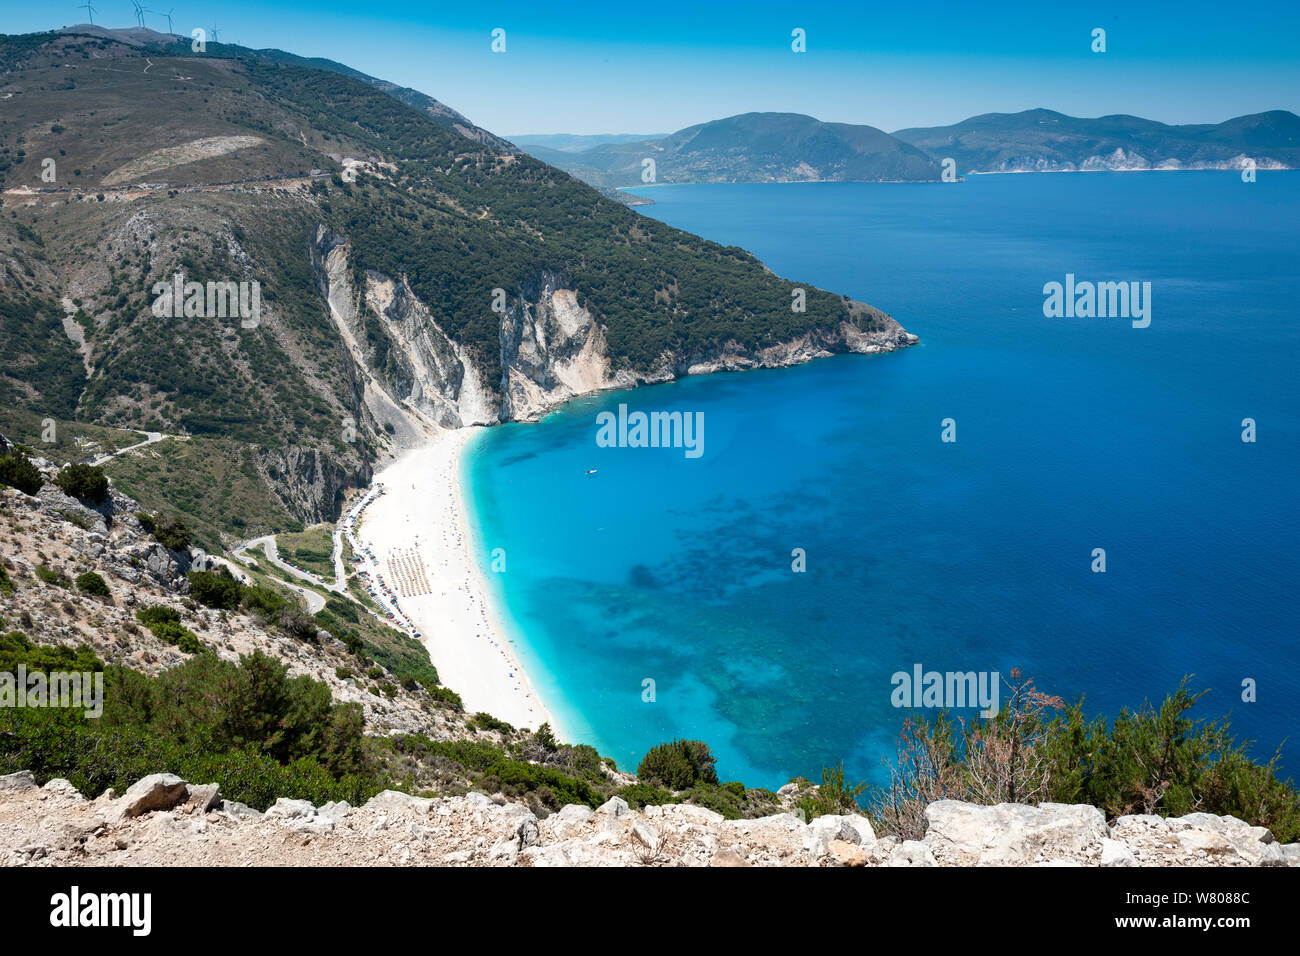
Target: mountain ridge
[
  {"x": 750, "y": 147},
  {"x": 228, "y": 166},
  {"x": 763, "y": 147},
  {"x": 1042, "y": 140}
]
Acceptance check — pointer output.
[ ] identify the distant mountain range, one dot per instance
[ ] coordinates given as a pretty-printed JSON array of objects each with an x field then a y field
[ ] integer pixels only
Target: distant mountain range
[
  {"x": 781, "y": 147},
  {"x": 1046, "y": 141},
  {"x": 752, "y": 147}
]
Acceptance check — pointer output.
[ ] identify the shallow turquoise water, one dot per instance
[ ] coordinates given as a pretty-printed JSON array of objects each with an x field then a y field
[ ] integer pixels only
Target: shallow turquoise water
[{"x": 1072, "y": 434}]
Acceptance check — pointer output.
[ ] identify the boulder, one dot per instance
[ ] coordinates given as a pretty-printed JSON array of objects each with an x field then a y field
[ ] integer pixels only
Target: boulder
[
  {"x": 1254, "y": 845},
  {"x": 62, "y": 787},
  {"x": 396, "y": 800},
  {"x": 854, "y": 829},
  {"x": 647, "y": 836},
  {"x": 614, "y": 807},
  {"x": 844, "y": 853},
  {"x": 286, "y": 809},
  {"x": 158, "y": 791},
  {"x": 22, "y": 780},
  {"x": 1114, "y": 853},
  {"x": 524, "y": 829},
  {"x": 965, "y": 834},
  {"x": 334, "y": 812},
  {"x": 912, "y": 853},
  {"x": 240, "y": 811},
  {"x": 569, "y": 821},
  {"x": 204, "y": 796}
]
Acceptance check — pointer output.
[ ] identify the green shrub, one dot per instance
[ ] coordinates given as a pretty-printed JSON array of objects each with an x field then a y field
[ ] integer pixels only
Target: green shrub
[
  {"x": 158, "y": 614},
  {"x": 165, "y": 623},
  {"x": 50, "y": 576},
  {"x": 264, "y": 600},
  {"x": 834, "y": 796},
  {"x": 6, "y": 583},
  {"x": 679, "y": 765},
  {"x": 639, "y": 795},
  {"x": 1162, "y": 760},
  {"x": 249, "y": 727},
  {"x": 488, "y": 722},
  {"x": 146, "y": 521},
  {"x": 171, "y": 532},
  {"x": 446, "y": 695},
  {"x": 1157, "y": 760},
  {"x": 15, "y": 649},
  {"x": 92, "y": 584},
  {"x": 17, "y": 470},
  {"x": 85, "y": 482},
  {"x": 217, "y": 589}
]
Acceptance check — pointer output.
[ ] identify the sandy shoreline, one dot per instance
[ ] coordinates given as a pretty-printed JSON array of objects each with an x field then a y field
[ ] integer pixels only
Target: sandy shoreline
[{"x": 418, "y": 532}]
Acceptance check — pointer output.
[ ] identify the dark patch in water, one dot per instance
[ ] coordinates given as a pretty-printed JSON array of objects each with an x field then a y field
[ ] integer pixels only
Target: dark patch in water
[{"x": 641, "y": 577}]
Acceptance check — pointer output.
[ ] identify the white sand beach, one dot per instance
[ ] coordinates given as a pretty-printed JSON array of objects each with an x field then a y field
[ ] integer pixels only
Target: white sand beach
[{"x": 414, "y": 536}]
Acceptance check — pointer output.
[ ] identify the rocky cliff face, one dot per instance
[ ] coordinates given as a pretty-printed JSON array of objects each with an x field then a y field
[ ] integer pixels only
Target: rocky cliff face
[
  {"x": 163, "y": 820},
  {"x": 415, "y": 376},
  {"x": 309, "y": 482}
]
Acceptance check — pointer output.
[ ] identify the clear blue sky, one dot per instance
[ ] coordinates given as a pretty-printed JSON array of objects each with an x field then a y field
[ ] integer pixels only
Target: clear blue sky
[{"x": 652, "y": 67}]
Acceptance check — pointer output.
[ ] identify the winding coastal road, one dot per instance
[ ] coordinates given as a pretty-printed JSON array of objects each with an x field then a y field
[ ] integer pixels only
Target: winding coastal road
[
  {"x": 150, "y": 438},
  {"x": 315, "y": 602}
]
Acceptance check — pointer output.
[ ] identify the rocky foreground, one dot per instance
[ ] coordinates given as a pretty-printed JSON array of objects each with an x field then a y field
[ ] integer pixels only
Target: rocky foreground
[{"x": 164, "y": 821}]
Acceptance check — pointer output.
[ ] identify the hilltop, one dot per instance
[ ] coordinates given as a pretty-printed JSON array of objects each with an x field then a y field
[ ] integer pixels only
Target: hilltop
[
  {"x": 414, "y": 272},
  {"x": 749, "y": 148}
]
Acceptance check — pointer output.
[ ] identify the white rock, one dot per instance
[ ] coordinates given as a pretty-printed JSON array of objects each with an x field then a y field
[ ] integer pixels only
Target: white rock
[
  {"x": 22, "y": 780},
  {"x": 62, "y": 787},
  {"x": 159, "y": 791},
  {"x": 335, "y": 811},
  {"x": 396, "y": 800},
  {"x": 646, "y": 835},
  {"x": 286, "y": 809},
  {"x": 1114, "y": 853},
  {"x": 912, "y": 853},
  {"x": 965, "y": 834},
  {"x": 614, "y": 807}
]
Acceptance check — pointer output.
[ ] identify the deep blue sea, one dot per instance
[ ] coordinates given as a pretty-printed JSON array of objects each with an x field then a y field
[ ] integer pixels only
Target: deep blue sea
[{"x": 975, "y": 555}]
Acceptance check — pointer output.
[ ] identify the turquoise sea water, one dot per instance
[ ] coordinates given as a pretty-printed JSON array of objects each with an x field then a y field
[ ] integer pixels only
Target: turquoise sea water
[{"x": 1072, "y": 434}]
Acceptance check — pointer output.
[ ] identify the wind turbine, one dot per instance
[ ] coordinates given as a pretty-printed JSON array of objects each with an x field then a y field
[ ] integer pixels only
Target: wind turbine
[
  {"x": 139, "y": 12},
  {"x": 213, "y": 31},
  {"x": 168, "y": 15},
  {"x": 89, "y": 10}
]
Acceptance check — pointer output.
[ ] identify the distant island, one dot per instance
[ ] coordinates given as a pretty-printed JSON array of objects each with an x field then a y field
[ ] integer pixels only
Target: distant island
[
  {"x": 791, "y": 147},
  {"x": 1046, "y": 141},
  {"x": 752, "y": 147}
]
